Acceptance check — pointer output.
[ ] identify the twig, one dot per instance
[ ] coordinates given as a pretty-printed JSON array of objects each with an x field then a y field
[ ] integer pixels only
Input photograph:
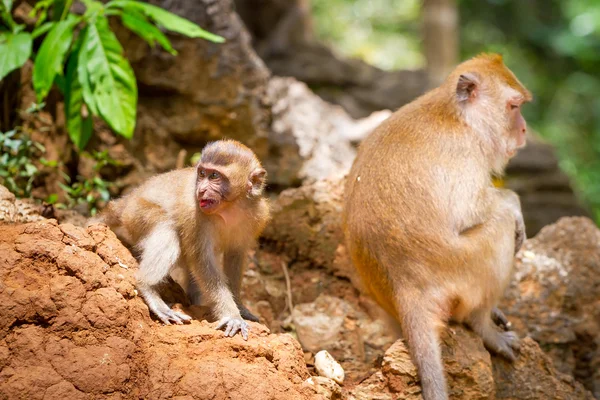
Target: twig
[{"x": 288, "y": 286}]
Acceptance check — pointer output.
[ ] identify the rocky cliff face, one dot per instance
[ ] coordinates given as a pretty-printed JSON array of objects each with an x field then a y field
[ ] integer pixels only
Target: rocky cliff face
[{"x": 73, "y": 326}]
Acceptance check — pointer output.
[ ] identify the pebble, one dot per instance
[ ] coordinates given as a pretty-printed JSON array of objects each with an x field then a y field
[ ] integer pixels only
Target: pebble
[{"x": 326, "y": 366}]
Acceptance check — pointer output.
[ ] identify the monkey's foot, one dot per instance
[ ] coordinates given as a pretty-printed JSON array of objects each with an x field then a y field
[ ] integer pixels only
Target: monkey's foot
[
  {"x": 168, "y": 315},
  {"x": 500, "y": 319},
  {"x": 233, "y": 326},
  {"x": 246, "y": 314},
  {"x": 504, "y": 344}
]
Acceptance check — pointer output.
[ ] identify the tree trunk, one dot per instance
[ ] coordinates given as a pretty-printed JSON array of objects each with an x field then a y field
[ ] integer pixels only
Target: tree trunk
[{"x": 440, "y": 38}]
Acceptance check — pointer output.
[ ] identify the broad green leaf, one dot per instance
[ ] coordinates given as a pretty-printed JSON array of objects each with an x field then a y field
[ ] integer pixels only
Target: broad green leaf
[
  {"x": 50, "y": 58},
  {"x": 139, "y": 24},
  {"x": 82, "y": 75},
  {"x": 166, "y": 19},
  {"x": 39, "y": 31},
  {"x": 79, "y": 126},
  {"x": 7, "y": 4},
  {"x": 111, "y": 78},
  {"x": 14, "y": 51}
]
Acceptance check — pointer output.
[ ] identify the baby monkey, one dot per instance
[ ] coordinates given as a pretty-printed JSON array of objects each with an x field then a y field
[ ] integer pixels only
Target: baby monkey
[
  {"x": 430, "y": 235},
  {"x": 200, "y": 220}
]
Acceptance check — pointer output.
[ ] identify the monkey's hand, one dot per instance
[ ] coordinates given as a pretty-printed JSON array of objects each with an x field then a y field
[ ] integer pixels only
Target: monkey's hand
[
  {"x": 167, "y": 315},
  {"x": 500, "y": 319},
  {"x": 511, "y": 199},
  {"x": 505, "y": 345},
  {"x": 233, "y": 325}
]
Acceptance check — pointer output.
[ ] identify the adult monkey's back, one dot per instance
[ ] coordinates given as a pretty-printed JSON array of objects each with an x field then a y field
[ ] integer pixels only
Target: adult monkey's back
[{"x": 430, "y": 235}]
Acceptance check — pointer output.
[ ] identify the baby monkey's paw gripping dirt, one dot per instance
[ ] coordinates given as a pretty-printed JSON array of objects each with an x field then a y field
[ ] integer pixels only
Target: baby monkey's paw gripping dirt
[
  {"x": 167, "y": 315},
  {"x": 234, "y": 325}
]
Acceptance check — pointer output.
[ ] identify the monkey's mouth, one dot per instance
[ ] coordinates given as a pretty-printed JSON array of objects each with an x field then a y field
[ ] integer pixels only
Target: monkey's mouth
[{"x": 207, "y": 204}]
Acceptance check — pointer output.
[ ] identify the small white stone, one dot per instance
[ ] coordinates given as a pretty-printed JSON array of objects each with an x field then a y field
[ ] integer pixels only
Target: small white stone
[
  {"x": 329, "y": 368},
  {"x": 529, "y": 254}
]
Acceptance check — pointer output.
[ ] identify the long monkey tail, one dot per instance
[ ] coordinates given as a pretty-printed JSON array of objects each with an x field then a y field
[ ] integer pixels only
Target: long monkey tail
[{"x": 420, "y": 329}]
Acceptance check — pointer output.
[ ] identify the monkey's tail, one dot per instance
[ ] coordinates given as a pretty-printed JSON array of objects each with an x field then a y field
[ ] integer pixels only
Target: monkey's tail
[{"x": 420, "y": 328}]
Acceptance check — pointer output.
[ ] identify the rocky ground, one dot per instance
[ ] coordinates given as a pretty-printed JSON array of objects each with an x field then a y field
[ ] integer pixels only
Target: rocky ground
[{"x": 73, "y": 327}]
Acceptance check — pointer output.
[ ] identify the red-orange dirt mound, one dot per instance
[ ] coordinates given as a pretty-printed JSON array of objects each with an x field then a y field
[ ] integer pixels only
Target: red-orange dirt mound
[{"x": 72, "y": 327}]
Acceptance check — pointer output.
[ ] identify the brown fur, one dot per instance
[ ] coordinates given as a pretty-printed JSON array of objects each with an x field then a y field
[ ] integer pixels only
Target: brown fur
[
  {"x": 429, "y": 234},
  {"x": 164, "y": 220}
]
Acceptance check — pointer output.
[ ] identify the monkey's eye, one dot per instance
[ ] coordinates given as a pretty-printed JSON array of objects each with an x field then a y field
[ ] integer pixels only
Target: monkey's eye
[
  {"x": 514, "y": 106},
  {"x": 214, "y": 175},
  {"x": 201, "y": 173}
]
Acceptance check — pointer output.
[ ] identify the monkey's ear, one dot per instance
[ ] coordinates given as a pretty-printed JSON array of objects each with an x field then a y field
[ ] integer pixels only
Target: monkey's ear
[
  {"x": 467, "y": 87},
  {"x": 256, "y": 182}
]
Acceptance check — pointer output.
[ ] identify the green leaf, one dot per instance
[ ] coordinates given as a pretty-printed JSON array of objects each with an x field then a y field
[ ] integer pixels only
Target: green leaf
[
  {"x": 111, "y": 78},
  {"x": 79, "y": 126},
  {"x": 51, "y": 199},
  {"x": 7, "y": 4},
  {"x": 169, "y": 20},
  {"x": 48, "y": 163},
  {"x": 40, "y": 30},
  {"x": 50, "y": 58},
  {"x": 83, "y": 76},
  {"x": 14, "y": 50},
  {"x": 139, "y": 24},
  {"x": 30, "y": 169},
  {"x": 6, "y": 16}
]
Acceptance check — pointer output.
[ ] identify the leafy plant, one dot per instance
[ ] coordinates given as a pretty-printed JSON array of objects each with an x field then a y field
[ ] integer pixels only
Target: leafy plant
[
  {"x": 82, "y": 56},
  {"x": 17, "y": 172},
  {"x": 92, "y": 191}
]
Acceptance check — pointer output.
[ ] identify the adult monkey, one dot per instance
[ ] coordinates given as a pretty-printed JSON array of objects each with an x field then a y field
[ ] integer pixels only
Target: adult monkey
[
  {"x": 430, "y": 235},
  {"x": 201, "y": 220}
]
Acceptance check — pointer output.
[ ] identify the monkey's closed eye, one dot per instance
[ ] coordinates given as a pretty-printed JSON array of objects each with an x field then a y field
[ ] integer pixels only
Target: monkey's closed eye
[{"x": 514, "y": 106}]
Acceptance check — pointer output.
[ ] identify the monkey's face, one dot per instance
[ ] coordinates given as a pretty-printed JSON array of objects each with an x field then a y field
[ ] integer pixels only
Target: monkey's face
[
  {"x": 211, "y": 189},
  {"x": 517, "y": 126}
]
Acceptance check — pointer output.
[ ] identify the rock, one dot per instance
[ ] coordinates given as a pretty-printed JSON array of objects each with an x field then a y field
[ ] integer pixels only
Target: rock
[
  {"x": 318, "y": 324},
  {"x": 15, "y": 210},
  {"x": 472, "y": 373},
  {"x": 555, "y": 297},
  {"x": 306, "y": 225},
  {"x": 327, "y": 367},
  {"x": 208, "y": 88},
  {"x": 357, "y": 337},
  {"x": 311, "y": 139},
  {"x": 324, "y": 387},
  {"x": 72, "y": 326}
]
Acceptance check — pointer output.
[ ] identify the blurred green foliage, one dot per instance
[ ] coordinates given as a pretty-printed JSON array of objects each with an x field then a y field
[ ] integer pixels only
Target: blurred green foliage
[
  {"x": 92, "y": 191},
  {"x": 553, "y": 46},
  {"x": 17, "y": 171},
  {"x": 385, "y": 33}
]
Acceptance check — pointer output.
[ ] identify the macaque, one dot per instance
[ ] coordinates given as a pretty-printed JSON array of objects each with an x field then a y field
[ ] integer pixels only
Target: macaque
[
  {"x": 200, "y": 220},
  {"x": 430, "y": 235}
]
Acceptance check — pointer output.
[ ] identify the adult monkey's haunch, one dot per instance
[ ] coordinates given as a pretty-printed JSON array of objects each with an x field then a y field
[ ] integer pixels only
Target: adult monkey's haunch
[
  {"x": 430, "y": 236},
  {"x": 201, "y": 220}
]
